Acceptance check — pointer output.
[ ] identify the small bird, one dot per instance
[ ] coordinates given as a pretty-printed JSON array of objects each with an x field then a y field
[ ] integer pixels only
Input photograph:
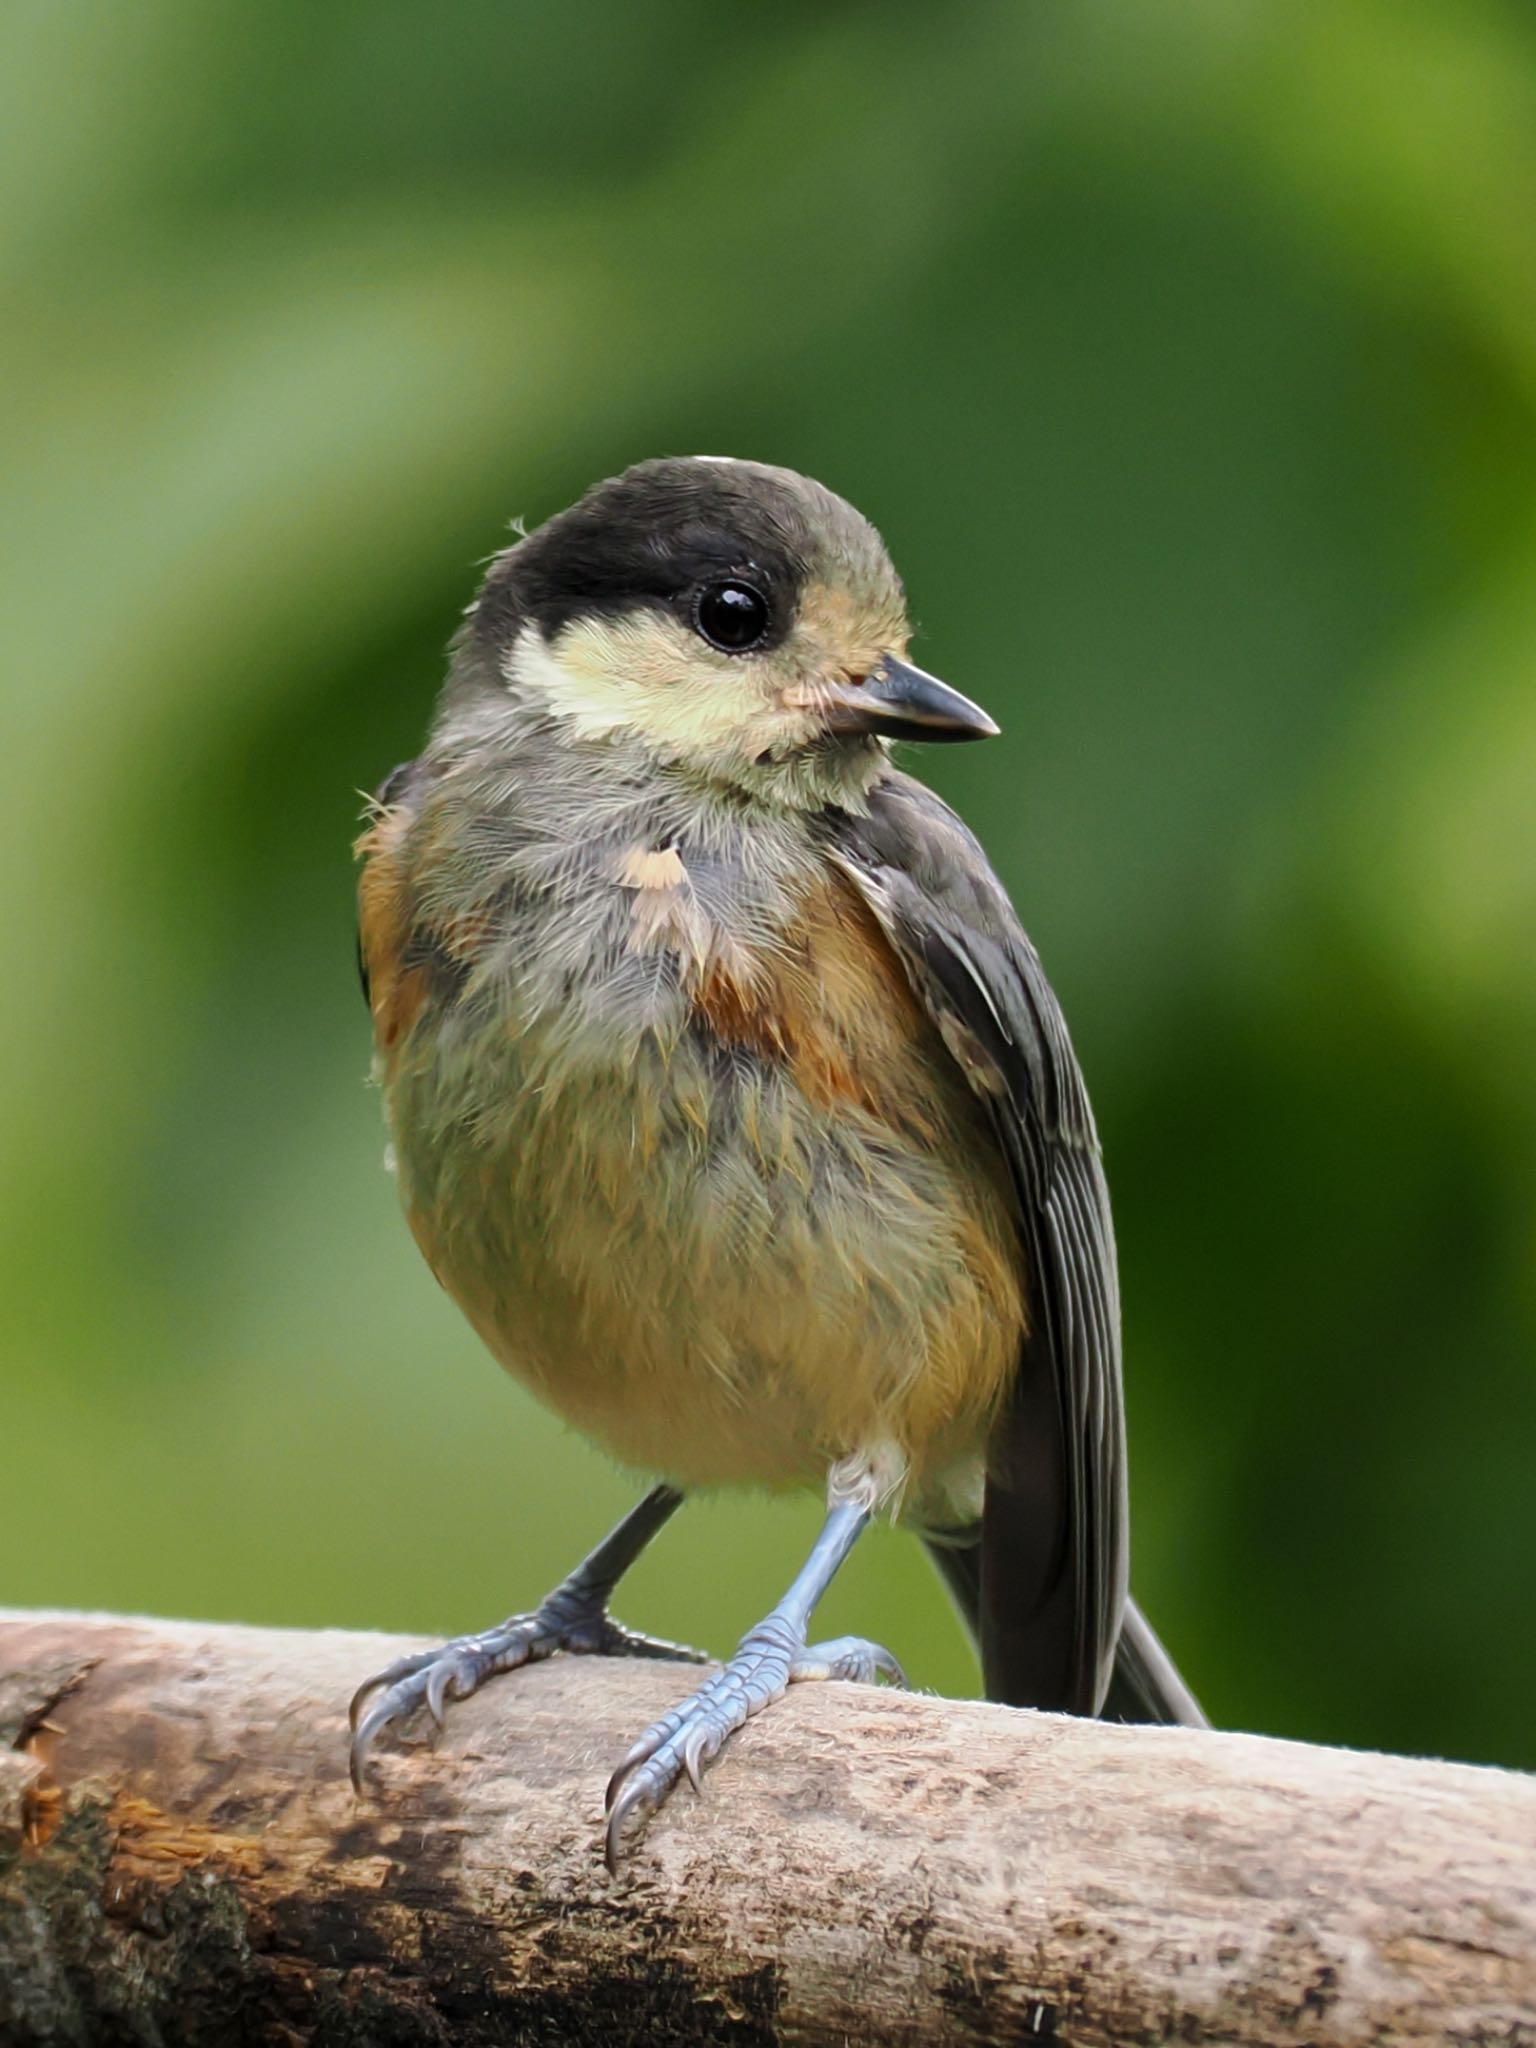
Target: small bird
[{"x": 729, "y": 1101}]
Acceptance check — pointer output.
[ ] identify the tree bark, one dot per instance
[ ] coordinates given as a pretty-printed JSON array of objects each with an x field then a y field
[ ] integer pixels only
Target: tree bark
[{"x": 182, "y": 1860}]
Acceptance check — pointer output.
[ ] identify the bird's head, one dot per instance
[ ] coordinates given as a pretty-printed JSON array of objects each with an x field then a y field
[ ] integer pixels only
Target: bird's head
[{"x": 739, "y": 622}]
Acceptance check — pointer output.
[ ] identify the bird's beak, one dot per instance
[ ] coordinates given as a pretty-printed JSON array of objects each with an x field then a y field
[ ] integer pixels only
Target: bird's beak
[{"x": 902, "y": 703}]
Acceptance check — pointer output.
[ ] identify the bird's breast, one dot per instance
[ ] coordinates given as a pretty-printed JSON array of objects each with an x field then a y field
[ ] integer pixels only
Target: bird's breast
[{"x": 684, "y": 1146}]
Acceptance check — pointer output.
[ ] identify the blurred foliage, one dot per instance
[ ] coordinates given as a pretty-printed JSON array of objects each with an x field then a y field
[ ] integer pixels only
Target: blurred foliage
[{"x": 1187, "y": 357}]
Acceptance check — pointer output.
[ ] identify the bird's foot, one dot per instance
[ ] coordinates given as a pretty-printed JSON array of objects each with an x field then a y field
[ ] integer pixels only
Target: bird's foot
[
  {"x": 768, "y": 1660},
  {"x": 430, "y": 1678}
]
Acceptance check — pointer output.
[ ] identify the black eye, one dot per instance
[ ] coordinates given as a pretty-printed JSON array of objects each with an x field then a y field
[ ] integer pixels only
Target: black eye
[{"x": 731, "y": 616}]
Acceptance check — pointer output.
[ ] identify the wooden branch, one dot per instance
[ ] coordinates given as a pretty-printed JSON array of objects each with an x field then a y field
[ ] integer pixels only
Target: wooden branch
[{"x": 182, "y": 1860}]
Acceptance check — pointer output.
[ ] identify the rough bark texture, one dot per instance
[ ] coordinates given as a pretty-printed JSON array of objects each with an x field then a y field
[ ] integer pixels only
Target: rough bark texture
[{"x": 182, "y": 1860}]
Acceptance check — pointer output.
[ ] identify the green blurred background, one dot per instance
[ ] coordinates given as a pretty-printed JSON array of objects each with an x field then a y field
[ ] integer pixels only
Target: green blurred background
[{"x": 1186, "y": 356}]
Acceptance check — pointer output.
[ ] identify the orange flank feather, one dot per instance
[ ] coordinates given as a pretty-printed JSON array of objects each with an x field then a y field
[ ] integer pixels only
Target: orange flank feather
[
  {"x": 396, "y": 989},
  {"x": 836, "y": 1010}
]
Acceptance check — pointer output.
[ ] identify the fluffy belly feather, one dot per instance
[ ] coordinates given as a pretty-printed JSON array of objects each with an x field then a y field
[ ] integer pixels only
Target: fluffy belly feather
[
  {"x": 690, "y": 1155},
  {"x": 713, "y": 1275}
]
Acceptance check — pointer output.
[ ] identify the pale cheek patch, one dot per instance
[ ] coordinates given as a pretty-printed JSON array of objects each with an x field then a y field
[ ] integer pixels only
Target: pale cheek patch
[
  {"x": 595, "y": 701},
  {"x": 644, "y": 674}
]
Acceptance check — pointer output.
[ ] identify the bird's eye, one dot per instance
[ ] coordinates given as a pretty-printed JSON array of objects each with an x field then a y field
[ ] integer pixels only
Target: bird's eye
[{"x": 731, "y": 615}]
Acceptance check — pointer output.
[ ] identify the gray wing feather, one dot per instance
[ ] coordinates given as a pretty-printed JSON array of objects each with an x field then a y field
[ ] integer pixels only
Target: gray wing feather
[{"x": 1053, "y": 1541}]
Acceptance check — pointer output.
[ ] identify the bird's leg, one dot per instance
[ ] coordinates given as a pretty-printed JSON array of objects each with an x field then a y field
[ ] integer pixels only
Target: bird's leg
[
  {"x": 573, "y": 1617},
  {"x": 768, "y": 1659}
]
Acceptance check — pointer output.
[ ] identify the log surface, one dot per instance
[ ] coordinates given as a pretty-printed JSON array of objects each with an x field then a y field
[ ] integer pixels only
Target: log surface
[{"x": 182, "y": 1860}]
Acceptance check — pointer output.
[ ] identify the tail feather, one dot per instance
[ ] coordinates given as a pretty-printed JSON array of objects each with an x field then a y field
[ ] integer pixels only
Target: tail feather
[{"x": 1145, "y": 1685}]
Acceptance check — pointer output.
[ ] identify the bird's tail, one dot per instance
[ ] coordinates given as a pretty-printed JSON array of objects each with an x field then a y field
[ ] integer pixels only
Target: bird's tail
[{"x": 1145, "y": 1685}]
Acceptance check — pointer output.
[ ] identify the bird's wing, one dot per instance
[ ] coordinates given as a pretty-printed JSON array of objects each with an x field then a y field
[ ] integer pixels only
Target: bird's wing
[{"x": 1053, "y": 1542}]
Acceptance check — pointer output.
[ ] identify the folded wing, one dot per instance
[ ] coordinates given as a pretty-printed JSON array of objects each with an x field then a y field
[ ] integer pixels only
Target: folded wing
[{"x": 1045, "y": 1576}]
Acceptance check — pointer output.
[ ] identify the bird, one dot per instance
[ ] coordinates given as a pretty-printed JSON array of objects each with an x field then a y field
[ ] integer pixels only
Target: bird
[{"x": 729, "y": 1101}]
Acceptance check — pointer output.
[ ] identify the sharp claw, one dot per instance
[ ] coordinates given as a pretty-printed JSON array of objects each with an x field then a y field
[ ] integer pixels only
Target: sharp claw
[
  {"x": 633, "y": 1799},
  {"x": 635, "y": 1758},
  {"x": 611, "y": 1850},
  {"x": 442, "y": 1680},
  {"x": 357, "y": 1760},
  {"x": 392, "y": 1674},
  {"x": 694, "y": 1757},
  {"x": 357, "y": 1755}
]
